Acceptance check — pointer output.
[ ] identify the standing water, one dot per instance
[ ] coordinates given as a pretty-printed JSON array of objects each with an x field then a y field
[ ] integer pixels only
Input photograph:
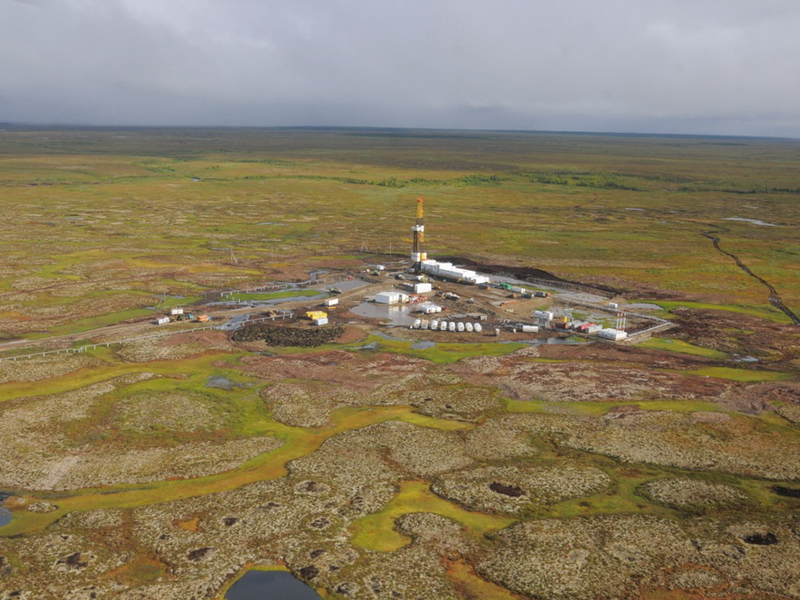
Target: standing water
[
  {"x": 270, "y": 585},
  {"x": 5, "y": 514}
]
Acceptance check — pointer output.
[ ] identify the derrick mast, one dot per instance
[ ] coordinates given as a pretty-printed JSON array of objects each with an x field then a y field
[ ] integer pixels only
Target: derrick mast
[{"x": 418, "y": 248}]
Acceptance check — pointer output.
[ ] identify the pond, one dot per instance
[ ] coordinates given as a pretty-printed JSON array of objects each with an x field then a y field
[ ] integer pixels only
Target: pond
[
  {"x": 397, "y": 315},
  {"x": 270, "y": 585},
  {"x": 5, "y": 514}
]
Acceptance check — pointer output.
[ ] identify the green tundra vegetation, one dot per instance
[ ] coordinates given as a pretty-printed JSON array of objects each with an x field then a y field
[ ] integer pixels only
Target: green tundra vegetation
[
  {"x": 365, "y": 464},
  {"x": 122, "y": 217}
]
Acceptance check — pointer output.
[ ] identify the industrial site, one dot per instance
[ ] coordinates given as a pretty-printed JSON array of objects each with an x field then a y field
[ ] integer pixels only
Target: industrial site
[{"x": 431, "y": 296}]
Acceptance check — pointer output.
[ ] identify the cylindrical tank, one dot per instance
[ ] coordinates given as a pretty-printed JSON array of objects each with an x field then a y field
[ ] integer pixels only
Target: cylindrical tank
[
  {"x": 469, "y": 327},
  {"x": 417, "y": 324},
  {"x": 451, "y": 326},
  {"x": 425, "y": 324},
  {"x": 478, "y": 327},
  {"x": 435, "y": 324},
  {"x": 460, "y": 326},
  {"x": 443, "y": 326}
]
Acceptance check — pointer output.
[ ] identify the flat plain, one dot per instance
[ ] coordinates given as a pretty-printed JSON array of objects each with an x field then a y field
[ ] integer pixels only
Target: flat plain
[{"x": 368, "y": 466}]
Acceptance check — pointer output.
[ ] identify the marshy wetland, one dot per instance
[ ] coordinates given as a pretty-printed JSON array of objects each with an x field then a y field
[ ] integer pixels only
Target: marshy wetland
[{"x": 374, "y": 463}]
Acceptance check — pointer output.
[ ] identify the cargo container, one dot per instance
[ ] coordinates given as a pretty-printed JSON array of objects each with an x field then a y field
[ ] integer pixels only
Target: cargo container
[
  {"x": 176, "y": 311},
  {"x": 316, "y": 314},
  {"x": 320, "y": 322},
  {"x": 541, "y": 294},
  {"x": 331, "y": 302},
  {"x": 162, "y": 320}
]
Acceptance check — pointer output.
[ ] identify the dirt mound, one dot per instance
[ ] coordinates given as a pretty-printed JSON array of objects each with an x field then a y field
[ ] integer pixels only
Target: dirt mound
[{"x": 278, "y": 335}]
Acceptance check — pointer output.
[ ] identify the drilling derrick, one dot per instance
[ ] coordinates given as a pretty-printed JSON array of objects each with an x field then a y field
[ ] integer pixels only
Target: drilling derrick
[{"x": 418, "y": 249}]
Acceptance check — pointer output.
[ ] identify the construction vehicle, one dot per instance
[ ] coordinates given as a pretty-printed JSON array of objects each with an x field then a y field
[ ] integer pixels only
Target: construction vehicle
[{"x": 334, "y": 290}]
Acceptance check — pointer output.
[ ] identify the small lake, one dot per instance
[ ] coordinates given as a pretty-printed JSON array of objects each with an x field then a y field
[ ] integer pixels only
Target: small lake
[{"x": 270, "y": 585}]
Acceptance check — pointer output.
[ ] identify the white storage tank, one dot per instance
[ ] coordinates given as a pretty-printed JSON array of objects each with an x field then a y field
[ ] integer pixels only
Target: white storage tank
[
  {"x": 417, "y": 324},
  {"x": 425, "y": 324},
  {"x": 443, "y": 326},
  {"x": 478, "y": 327},
  {"x": 530, "y": 329},
  {"x": 451, "y": 326},
  {"x": 434, "y": 324},
  {"x": 469, "y": 327},
  {"x": 460, "y": 326}
]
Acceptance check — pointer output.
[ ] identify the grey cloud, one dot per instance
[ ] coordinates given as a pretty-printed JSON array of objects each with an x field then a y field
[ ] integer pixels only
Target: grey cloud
[{"x": 702, "y": 66}]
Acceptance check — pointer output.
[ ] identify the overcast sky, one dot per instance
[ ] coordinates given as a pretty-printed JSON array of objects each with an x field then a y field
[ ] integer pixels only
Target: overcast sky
[{"x": 662, "y": 66}]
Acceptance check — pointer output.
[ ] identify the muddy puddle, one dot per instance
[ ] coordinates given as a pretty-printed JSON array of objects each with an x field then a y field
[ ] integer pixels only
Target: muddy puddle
[
  {"x": 5, "y": 514},
  {"x": 422, "y": 345},
  {"x": 270, "y": 585},
  {"x": 397, "y": 315}
]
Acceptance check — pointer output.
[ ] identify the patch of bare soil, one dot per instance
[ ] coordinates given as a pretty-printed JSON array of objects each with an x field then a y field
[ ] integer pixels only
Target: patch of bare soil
[
  {"x": 759, "y": 397},
  {"x": 621, "y": 556},
  {"x": 738, "y": 334},
  {"x": 351, "y": 334},
  {"x": 630, "y": 355},
  {"x": 522, "y": 379}
]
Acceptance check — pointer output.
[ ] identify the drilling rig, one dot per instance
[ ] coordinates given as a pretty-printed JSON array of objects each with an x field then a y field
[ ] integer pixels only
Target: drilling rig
[{"x": 418, "y": 253}]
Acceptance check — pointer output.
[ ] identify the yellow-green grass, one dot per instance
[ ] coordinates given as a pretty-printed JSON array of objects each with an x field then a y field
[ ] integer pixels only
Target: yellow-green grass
[
  {"x": 743, "y": 375},
  {"x": 444, "y": 352},
  {"x": 298, "y": 442},
  {"x": 97, "y": 374},
  {"x": 599, "y": 408},
  {"x": 376, "y": 531},
  {"x": 765, "y": 312},
  {"x": 682, "y": 347}
]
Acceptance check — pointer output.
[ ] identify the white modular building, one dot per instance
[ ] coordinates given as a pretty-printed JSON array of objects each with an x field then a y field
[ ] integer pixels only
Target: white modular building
[
  {"x": 449, "y": 271},
  {"x": 331, "y": 302},
  {"x": 391, "y": 298},
  {"x": 612, "y": 334},
  {"x": 422, "y": 288}
]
